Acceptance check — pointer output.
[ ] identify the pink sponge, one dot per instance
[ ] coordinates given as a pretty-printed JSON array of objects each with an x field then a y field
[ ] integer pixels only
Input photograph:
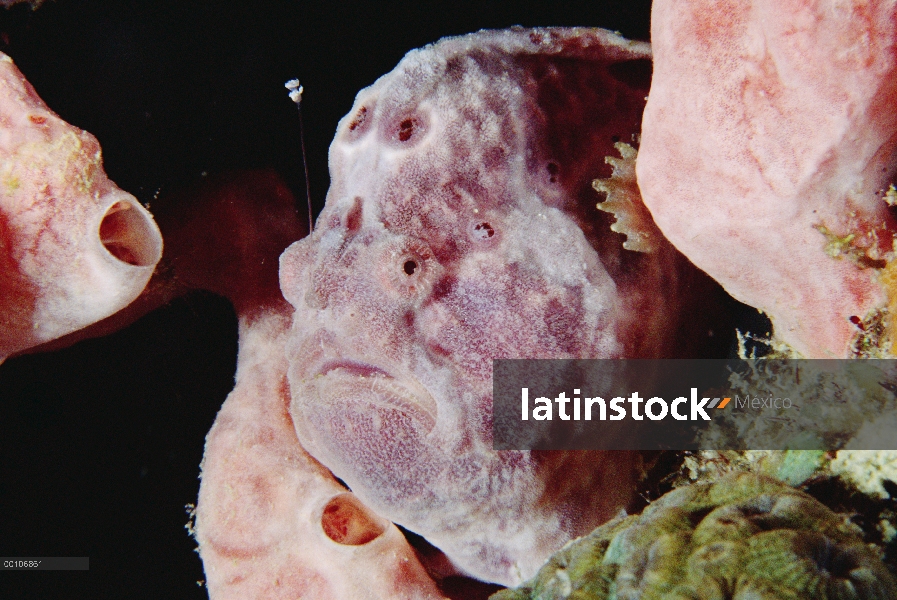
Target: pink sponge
[
  {"x": 768, "y": 138},
  {"x": 74, "y": 248}
]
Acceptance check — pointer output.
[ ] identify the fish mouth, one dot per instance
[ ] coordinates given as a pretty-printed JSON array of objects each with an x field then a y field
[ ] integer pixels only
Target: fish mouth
[
  {"x": 353, "y": 368},
  {"x": 347, "y": 381}
]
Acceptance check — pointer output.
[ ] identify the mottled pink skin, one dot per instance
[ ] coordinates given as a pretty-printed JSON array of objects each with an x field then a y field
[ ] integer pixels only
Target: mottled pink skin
[
  {"x": 765, "y": 120},
  {"x": 460, "y": 227},
  {"x": 260, "y": 513},
  {"x": 74, "y": 248}
]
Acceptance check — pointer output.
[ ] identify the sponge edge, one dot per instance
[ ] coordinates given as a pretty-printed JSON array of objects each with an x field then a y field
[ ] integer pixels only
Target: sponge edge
[
  {"x": 74, "y": 248},
  {"x": 767, "y": 123}
]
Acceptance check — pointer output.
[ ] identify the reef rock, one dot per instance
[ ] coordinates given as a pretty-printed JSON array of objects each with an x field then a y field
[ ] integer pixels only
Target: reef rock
[
  {"x": 768, "y": 142},
  {"x": 461, "y": 227},
  {"x": 74, "y": 248}
]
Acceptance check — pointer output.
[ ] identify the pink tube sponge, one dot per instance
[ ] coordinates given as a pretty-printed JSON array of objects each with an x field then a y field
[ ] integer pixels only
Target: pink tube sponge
[
  {"x": 768, "y": 138},
  {"x": 74, "y": 248}
]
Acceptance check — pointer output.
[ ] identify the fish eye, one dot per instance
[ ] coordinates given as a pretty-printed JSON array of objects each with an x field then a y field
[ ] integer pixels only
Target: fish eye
[
  {"x": 361, "y": 121},
  {"x": 410, "y": 267},
  {"x": 407, "y": 129}
]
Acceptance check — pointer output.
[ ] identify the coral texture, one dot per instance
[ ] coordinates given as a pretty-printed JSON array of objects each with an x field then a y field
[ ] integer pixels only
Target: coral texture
[
  {"x": 743, "y": 536},
  {"x": 868, "y": 470},
  {"x": 74, "y": 248},
  {"x": 768, "y": 140},
  {"x": 833, "y": 402},
  {"x": 461, "y": 227}
]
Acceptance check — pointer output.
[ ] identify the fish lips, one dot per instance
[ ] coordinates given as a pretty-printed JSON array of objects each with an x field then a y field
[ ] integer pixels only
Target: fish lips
[{"x": 348, "y": 411}]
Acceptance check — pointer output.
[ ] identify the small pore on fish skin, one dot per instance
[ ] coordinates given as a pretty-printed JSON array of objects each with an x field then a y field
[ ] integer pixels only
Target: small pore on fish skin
[
  {"x": 361, "y": 122},
  {"x": 483, "y": 231},
  {"x": 355, "y": 217}
]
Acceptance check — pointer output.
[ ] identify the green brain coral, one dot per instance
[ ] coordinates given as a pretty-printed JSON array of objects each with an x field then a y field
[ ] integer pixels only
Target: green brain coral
[{"x": 743, "y": 537}]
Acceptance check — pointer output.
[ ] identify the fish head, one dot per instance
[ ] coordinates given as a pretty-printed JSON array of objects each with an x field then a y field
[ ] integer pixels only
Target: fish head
[{"x": 460, "y": 227}]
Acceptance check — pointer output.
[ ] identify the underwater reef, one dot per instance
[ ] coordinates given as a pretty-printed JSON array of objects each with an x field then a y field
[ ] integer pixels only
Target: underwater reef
[
  {"x": 517, "y": 193},
  {"x": 742, "y": 536}
]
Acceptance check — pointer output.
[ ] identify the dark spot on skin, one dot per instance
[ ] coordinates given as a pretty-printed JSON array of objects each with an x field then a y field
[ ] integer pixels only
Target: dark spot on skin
[
  {"x": 406, "y": 130},
  {"x": 448, "y": 251},
  {"x": 410, "y": 267},
  {"x": 562, "y": 319},
  {"x": 454, "y": 69},
  {"x": 360, "y": 118},
  {"x": 361, "y": 121},
  {"x": 37, "y": 119},
  {"x": 483, "y": 231},
  {"x": 409, "y": 319},
  {"x": 615, "y": 138},
  {"x": 535, "y": 38},
  {"x": 553, "y": 170},
  {"x": 354, "y": 216},
  {"x": 437, "y": 350},
  {"x": 443, "y": 287},
  {"x": 494, "y": 157}
]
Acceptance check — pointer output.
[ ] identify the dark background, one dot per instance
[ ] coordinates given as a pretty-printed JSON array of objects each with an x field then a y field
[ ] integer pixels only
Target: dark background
[{"x": 100, "y": 443}]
